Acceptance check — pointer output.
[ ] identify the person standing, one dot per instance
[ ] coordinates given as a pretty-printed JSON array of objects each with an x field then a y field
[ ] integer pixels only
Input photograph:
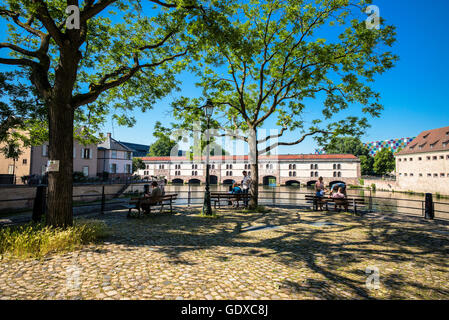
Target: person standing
[
  {"x": 319, "y": 192},
  {"x": 246, "y": 184}
]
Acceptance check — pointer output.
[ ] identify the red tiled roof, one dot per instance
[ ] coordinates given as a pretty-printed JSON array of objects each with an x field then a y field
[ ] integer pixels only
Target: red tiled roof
[
  {"x": 279, "y": 157},
  {"x": 428, "y": 141}
]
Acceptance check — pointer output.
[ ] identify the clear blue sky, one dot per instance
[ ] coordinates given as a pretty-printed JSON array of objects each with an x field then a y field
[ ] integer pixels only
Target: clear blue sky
[{"x": 414, "y": 93}]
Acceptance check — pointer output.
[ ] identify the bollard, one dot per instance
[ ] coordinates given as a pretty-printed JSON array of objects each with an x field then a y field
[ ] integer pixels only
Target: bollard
[
  {"x": 103, "y": 200},
  {"x": 188, "y": 197},
  {"x": 39, "y": 204},
  {"x": 429, "y": 211}
]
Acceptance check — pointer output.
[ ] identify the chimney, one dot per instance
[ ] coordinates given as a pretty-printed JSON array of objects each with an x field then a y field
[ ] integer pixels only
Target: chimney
[{"x": 109, "y": 135}]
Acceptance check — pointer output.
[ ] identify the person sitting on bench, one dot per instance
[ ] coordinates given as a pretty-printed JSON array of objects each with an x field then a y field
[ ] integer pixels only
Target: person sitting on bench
[
  {"x": 236, "y": 190},
  {"x": 151, "y": 198},
  {"x": 340, "y": 195}
]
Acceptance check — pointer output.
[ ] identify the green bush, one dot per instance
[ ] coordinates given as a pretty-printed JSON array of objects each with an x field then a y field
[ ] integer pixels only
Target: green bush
[
  {"x": 373, "y": 187},
  {"x": 38, "y": 240}
]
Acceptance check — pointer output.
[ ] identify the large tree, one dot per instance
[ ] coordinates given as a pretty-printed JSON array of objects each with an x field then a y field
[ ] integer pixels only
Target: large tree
[
  {"x": 280, "y": 60},
  {"x": 117, "y": 57},
  {"x": 384, "y": 162},
  {"x": 352, "y": 145}
]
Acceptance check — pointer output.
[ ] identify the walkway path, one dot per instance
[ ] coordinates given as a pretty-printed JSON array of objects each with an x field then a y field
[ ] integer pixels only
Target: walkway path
[{"x": 187, "y": 257}]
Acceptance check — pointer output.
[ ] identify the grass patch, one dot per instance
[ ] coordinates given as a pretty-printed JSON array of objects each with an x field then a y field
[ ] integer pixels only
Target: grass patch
[
  {"x": 37, "y": 240},
  {"x": 212, "y": 216},
  {"x": 259, "y": 209}
]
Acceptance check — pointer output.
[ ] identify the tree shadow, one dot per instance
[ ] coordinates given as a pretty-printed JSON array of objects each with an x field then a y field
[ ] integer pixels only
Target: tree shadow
[{"x": 181, "y": 234}]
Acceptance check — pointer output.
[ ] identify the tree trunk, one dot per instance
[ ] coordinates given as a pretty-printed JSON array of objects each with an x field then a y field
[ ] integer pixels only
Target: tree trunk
[
  {"x": 60, "y": 184},
  {"x": 60, "y": 121},
  {"x": 254, "y": 162}
]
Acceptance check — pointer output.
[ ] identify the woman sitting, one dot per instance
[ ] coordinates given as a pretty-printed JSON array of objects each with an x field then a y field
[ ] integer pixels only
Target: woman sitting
[
  {"x": 236, "y": 190},
  {"x": 340, "y": 194}
]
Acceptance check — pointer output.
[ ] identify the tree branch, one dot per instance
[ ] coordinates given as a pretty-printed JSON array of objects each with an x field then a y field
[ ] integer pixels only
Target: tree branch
[
  {"x": 275, "y": 145},
  {"x": 97, "y": 89}
]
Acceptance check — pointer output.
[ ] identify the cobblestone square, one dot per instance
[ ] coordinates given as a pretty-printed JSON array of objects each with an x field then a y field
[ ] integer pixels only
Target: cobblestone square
[{"x": 309, "y": 255}]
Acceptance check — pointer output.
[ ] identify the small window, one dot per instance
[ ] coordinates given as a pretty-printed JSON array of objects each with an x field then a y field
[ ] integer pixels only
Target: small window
[
  {"x": 400, "y": 174},
  {"x": 441, "y": 157},
  {"x": 442, "y": 175},
  {"x": 405, "y": 174},
  {"x": 411, "y": 174},
  {"x": 405, "y": 159},
  {"x": 86, "y": 171},
  {"x": 428, "y": 158},
  {"x": 24, "y": 161},
  {"x": 420, "y": 174},
  {"x": 435, "y": 175},
  {"x": 429, "y": 175},
  {"x": 400, "y": 160},
  {"x": 411, "y": 159},
  {"x": 114, "y": 154},
  {"x": 419, "y": 159},
  {"x": 435, "y": 157}
]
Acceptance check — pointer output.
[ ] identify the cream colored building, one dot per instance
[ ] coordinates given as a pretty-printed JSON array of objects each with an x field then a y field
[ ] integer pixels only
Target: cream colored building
[
  {"x": 423, "y": 166},
  {"x": 280, "y": 170}
]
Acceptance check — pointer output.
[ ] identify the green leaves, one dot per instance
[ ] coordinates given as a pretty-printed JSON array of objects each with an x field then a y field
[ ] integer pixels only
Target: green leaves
[{"x": 278, "y": 59}]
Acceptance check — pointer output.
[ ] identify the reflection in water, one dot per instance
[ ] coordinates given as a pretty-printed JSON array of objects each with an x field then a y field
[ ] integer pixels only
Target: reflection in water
[{"x": 382, "y": 201}]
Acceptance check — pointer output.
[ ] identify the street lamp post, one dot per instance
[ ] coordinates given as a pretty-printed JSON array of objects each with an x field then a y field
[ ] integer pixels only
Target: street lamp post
[{"x": 207, "y": 208}]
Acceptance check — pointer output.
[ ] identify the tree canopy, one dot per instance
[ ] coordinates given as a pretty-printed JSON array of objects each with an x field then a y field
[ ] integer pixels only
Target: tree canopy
[
  {"x": 286, "y": 54},
  {"x": 384, "y": 162},
  {"x": 121, "y": 55}
]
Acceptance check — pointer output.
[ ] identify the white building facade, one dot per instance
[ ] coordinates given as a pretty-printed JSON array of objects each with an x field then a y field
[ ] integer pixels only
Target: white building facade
[{"x": 280, "y": 169}]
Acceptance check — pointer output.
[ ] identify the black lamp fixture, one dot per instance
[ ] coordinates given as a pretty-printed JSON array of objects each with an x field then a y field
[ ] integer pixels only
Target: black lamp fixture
[{"x": 209, "y": 111}]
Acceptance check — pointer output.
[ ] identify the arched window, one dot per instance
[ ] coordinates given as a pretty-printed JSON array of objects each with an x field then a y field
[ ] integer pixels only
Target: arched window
[
  {"x": 294, "y": 173},
  {"x": 289, "y": 167},
  {"x": 339, "y": 167},
  {"x": 311, "y": 174},
  {"x": 339, "y": 174},
  {"x": 230, "y": 173},
  {"x": 335, "y": 167},
  {"x": 335, "y": 174},
  {"x": 311, "y": 166},
  {"x": 289, "y": 173},
  {"x": 294, "y": 167},
  {"x": 316, "y": 167},
  {"x": 316, "y": 174}
]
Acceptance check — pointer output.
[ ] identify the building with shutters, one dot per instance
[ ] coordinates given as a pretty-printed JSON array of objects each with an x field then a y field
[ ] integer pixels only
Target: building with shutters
[
  {"x": 114, "y": 158},
  {"x": 33, "y": 161}
]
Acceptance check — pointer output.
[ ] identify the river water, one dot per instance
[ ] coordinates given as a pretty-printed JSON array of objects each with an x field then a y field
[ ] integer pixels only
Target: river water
[{"x": 382, "y": 201}]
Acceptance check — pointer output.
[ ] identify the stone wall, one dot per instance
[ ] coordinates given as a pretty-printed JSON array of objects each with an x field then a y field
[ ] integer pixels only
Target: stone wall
[{"x": 85, "y": 193}]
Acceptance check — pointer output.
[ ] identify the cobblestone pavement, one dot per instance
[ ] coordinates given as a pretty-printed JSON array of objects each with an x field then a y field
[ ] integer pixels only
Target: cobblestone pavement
[{"x": 184, "y": 256}]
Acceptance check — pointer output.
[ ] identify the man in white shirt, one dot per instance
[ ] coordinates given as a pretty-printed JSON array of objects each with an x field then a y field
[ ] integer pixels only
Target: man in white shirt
[{"x": 246, "y": 183}]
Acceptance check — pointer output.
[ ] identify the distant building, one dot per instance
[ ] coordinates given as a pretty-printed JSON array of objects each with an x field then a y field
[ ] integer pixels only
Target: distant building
[
  {"x": 374, "y": 147},
  {"x": 115, "y": 158},
  {"x": 139, "y": 150},
  {"x": 423, "y": 166},
  {"x": 33, "y": 161},
  {"x": 281, "y": 169}
]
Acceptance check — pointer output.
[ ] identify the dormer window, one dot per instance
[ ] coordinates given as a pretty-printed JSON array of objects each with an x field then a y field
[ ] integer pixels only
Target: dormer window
[{"x": 425, "y": 136}]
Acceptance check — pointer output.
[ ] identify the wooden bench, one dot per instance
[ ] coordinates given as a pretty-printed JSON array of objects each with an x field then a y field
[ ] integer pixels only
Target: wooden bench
[
  {"x": 325, "y": 201},
  {"x": 217, "y": 197},
  {"x": 143, "y": 204}
]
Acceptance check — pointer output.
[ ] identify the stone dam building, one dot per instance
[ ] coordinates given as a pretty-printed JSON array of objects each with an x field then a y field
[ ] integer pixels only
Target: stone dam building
[{"x": 273, "y": 170}]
